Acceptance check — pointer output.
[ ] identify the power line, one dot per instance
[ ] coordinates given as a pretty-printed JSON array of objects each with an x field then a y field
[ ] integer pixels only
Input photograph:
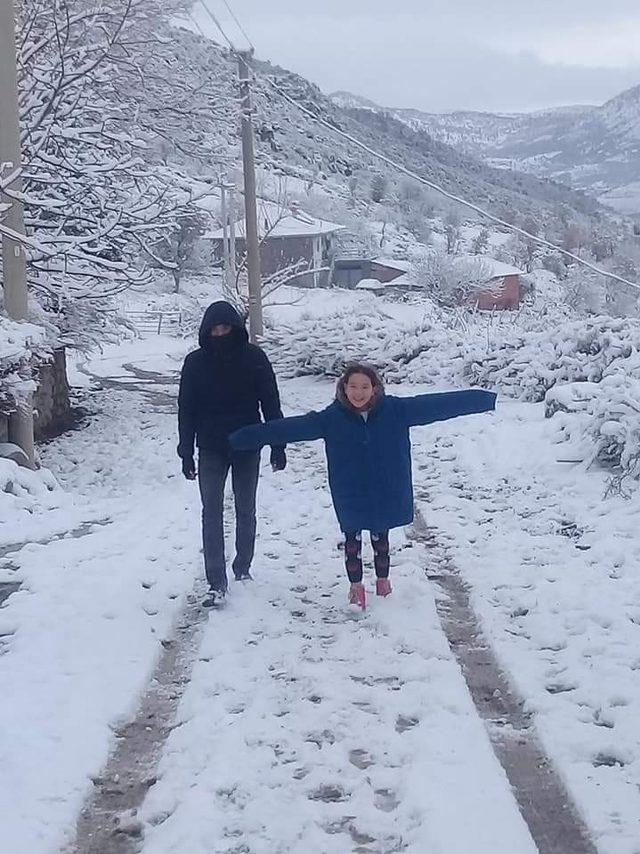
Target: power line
[
  {"x": 452, "y": 197},
  {"x": 541, "y": 241},
  {"x": 238, "y": 24},
  {"x": 218, "y": 25},
  {"x": 196, "y": 24}
]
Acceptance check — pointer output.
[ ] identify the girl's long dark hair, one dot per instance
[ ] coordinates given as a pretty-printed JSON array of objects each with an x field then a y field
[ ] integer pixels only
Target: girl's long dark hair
[{"x": 359, "y": 368}]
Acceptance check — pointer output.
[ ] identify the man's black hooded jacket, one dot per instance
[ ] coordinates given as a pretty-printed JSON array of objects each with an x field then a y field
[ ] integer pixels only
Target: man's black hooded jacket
[{"x": 224, "y": 385}]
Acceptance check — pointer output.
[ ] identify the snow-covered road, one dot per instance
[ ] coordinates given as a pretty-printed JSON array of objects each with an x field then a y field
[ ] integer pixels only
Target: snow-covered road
[
  {"x": 306, "y": 726},
  {"x": 310, "y": 727}
]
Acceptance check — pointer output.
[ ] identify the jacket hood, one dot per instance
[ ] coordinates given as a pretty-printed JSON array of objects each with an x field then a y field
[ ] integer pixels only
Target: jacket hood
[
  {"x": 367, "y": 370},
  {"x": 221, "y": 312}
]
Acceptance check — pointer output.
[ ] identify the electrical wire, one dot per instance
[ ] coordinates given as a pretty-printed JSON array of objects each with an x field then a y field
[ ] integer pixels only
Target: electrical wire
[
  {"x": 238, "y": 23},
  {"x": 218, "y": 25},
  {"x": 540, "y": 241}
]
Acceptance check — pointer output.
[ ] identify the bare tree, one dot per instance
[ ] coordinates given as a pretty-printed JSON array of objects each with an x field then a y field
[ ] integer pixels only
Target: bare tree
[
  {"x": 520, "y": 251},
  {"x": 379, "y": 186},
  {"x": 100, "y": 121},
  {"x": 452, "y": 231},
  {"x": 353, "y": 190},
  {"x": 583, "y": 290},
  {"x": 480, "y": 242},
  {"x": 575, "y": 237},
  {"x": 176, "y": 249},
  {"x": 448, "y": 280}
]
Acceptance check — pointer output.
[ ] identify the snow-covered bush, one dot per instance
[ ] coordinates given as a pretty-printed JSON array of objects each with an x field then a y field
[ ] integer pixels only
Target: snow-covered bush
[
  {"x": 20, "y": 345},
  {"x": 527, "y": 365},
  {"x": 23, "y": 493},
  {"x": 424, "y": 352},
  {"x": 448, "y": 279},
  {"x": 607, "y": 416},
  {"x": 615, "y": 425}
]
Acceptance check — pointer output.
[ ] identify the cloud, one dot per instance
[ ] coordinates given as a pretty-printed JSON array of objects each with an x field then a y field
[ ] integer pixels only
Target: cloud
[{"x": 437, "y": 55}]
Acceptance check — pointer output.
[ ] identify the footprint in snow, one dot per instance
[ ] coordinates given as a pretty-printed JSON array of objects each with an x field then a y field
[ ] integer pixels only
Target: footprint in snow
[
  {"x": 405, "y": 723},
  {"x": 386, "y": 800},
  {"x": 329, "y": 793},
  {"x": 607, "y": 760},
  {"x": 361, "y": 758}
]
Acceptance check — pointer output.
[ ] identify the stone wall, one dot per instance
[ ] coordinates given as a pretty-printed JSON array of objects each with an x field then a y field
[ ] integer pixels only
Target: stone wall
[{"x": 51, "y": 400}]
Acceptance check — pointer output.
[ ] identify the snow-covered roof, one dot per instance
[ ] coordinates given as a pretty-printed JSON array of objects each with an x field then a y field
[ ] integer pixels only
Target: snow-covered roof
[
  {"x": 402, "y": 265},
  {"x": 276, "y": 221},
  {"x": 371, "y": 285},
  {"x": 403, "y": 281},
  {"x": 490, "y": 267}
]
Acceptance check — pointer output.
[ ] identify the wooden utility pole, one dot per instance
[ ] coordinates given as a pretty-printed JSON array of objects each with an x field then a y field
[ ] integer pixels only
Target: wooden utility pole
[
  {"x": 251, "y": 213},
  {"x": 14, "y": 271},
  {"x": 232, "y": 233},
  {"x": 225, "y": 231}
]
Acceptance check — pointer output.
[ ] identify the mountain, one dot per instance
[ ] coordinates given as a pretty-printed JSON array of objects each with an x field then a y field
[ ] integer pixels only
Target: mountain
[
  {"x": 591, "y": 148},
  {"x": 295, "y": 143},
  {"x": 354, "y": 102}
]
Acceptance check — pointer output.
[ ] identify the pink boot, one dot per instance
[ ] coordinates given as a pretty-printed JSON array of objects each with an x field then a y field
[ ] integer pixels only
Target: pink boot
[
  {"x": 358, "y": 596},
  {"x": 383, "y": 586}
]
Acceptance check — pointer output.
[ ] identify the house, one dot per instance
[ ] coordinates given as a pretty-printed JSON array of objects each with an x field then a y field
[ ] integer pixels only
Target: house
[
  {"x": 501, "y": 285},
  {"x": 352, "y": 267},
  {"x": 288, "y": 236},
  {"x": 388, "y": 276},
  {"x": 388, "y": 269}
]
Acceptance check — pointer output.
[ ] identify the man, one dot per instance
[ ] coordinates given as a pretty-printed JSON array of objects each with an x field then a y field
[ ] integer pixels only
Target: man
[{"x": 224, "y": 385}]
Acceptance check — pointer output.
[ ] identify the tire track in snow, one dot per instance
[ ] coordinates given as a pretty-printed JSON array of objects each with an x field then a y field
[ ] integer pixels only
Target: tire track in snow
[
  {"x": 108, "y": 824},
  {"x": 544, "y": 801},
  {"x": 310, "y": 727}
]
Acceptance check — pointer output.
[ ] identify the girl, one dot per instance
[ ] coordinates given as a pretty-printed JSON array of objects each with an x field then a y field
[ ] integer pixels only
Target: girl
[{"x": 366, "y": 435}]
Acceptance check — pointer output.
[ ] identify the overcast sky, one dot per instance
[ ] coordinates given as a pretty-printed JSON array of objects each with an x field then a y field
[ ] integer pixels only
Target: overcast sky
[{"x": 443, "y": 55}]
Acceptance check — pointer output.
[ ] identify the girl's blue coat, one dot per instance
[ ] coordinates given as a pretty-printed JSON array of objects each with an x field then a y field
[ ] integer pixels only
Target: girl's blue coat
[{"x": 369, "y": 461}]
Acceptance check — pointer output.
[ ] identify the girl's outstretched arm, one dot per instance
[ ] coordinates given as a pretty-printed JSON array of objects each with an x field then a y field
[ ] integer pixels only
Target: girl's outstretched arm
[
  {"x": 300, "y": 428},
  {"x": 427, "y": 408}
]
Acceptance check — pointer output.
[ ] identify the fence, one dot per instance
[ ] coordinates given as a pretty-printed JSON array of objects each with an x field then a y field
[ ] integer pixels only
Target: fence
[{"x": 147, "y": 323}]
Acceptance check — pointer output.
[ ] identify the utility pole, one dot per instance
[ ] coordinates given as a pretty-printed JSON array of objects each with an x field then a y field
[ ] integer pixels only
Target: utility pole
[
  {"x": 251, "y": 214},
  {"x": 232, "y": 232},
  {"x": 14, "y": 271},
  {"x": 225, "y": 230}
]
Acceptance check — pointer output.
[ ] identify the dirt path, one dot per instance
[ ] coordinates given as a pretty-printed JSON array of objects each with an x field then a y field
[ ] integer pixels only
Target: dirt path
[
  {"x": 109, "y": 824},
  {"x": 544, "y": 802}
]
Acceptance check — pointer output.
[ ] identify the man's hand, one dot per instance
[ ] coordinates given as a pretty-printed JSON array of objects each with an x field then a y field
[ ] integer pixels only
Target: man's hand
[
  {"x": 189, "y": 468},
  {"x": 278, "y": 459}
]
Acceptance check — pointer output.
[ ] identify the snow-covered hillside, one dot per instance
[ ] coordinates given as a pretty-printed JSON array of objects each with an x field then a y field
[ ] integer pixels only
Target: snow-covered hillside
[{"x": 594, "y": 148}]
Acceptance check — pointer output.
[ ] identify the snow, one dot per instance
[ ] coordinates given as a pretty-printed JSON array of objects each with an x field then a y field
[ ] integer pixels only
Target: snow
[
  {"x": 371, "y": 285},
  {"x": 553, "y": 572},
  {"x": 80, "y": 637},
  {"x": 19, "y": 343},
  {"x": 360, "y": 724},
  {"x": 491, "y": 268},
  {"x": 404, "y": 266},
  {"x": 624, "y": 199},
  {"x": 17, "y": 339},
  {"x": 274, "y": 221}
]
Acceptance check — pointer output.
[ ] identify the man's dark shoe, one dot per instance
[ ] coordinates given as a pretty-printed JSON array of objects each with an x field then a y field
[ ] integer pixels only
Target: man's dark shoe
[
  {"x": 244, "y": 576},
  {"x": 214, "y": 599}
]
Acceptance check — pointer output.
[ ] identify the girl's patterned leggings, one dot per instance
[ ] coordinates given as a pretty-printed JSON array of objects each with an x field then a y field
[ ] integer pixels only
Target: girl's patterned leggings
[{"x": 353, "y": 554}]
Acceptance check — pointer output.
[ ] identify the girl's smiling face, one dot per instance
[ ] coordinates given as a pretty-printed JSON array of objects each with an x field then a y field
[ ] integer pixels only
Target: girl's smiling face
[{"x": 359, "y": 390}]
